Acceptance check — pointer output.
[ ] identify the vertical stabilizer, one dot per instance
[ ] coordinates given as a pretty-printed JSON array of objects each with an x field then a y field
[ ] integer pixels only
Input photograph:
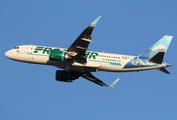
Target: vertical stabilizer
[{"x": 158, "y": 50}]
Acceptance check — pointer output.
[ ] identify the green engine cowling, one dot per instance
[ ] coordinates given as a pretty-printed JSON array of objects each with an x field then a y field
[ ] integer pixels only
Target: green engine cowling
[
  {"x": 65, "y": 76},
  {"x": 57, "y": 55}
]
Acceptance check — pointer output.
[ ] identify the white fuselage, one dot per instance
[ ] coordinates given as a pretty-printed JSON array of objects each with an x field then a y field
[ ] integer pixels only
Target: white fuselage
[{"x": 96, "y": 61}]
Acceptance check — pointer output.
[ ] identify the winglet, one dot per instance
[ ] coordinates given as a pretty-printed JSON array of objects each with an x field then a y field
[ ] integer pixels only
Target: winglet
[
  {"x": 95, "y": 21},
  {"x": 114, "y": 83}
]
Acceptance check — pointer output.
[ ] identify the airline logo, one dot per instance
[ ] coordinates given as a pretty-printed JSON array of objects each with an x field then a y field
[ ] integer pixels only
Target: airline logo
[{"x": 46, "y": 50}]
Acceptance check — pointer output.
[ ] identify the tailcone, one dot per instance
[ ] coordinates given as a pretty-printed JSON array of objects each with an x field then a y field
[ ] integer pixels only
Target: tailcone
[{"x": 167, "y": 64}]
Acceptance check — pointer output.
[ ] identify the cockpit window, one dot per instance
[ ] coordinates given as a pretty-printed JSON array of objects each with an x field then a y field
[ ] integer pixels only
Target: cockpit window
[{"x": 16, "y": 48}]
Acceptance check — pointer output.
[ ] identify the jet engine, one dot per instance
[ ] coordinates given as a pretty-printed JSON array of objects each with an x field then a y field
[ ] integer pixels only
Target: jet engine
[
  {"x": 66, "y": 76},
  {"x": 59, "y": 55}
]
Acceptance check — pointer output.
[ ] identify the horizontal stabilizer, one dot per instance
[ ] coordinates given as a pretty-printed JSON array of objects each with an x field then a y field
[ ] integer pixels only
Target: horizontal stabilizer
[{"x": 164, "y": 70}]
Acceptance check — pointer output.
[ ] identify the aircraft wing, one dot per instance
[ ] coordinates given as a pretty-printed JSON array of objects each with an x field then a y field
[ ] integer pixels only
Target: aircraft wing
[
  {"x": 92, "y": 78},
  {"x": 79, "y": 46}
]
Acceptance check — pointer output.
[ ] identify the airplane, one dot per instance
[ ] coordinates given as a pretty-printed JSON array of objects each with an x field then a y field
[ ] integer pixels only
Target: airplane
[{"x": 76, "y": 61}]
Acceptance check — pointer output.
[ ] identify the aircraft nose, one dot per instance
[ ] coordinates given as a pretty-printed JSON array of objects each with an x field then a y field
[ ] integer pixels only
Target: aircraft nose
[{"x": 8, "y": 54}]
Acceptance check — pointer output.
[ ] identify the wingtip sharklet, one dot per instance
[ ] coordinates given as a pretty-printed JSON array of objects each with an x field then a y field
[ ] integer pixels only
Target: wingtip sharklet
[
  {"x": 95, "y": 21},
  {"x": 114, "y": 83}
]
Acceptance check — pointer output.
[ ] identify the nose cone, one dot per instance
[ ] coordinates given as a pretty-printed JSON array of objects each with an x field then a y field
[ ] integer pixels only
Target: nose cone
[{"x": 7, "y": 54}]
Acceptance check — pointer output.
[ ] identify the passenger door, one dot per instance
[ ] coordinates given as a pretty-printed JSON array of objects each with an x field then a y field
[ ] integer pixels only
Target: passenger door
[{"x": 135, "y": 61}]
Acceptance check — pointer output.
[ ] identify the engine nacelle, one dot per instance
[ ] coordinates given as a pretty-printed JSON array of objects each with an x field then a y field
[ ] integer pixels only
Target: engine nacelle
[
  {"x": 58, "y": 55},
  {"x": 66, "y": 76}
]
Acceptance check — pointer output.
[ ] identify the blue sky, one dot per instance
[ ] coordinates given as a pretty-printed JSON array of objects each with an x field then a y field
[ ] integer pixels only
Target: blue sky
[{"x": 29, "y": 91}]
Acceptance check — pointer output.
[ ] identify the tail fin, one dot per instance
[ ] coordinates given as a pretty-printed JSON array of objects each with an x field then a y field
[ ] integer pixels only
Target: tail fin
[{"x": 158, "y": 50}]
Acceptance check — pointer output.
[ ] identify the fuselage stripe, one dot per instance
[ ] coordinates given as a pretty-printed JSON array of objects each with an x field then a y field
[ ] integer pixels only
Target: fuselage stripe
[
  {"x": 37, "y": 54},
  {"x": 111, "y": 63}
]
